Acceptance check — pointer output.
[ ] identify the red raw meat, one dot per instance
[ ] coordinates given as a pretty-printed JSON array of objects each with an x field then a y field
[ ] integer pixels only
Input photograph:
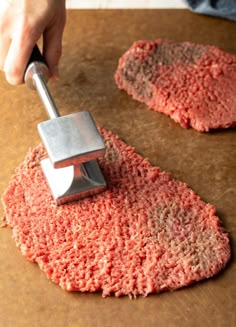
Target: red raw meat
[
  {"x": 146, "y": 233},
  {"x": 193, "y": 84}
]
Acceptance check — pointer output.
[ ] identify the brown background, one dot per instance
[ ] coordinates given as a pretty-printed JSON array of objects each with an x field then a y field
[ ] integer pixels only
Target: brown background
[{"x": 93, "y": 42}]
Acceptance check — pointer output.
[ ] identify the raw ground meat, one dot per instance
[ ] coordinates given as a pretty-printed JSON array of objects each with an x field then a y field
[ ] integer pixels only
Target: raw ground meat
[
  {"x": 193, "y": 84},
  {"x": 146, "y": 233}
]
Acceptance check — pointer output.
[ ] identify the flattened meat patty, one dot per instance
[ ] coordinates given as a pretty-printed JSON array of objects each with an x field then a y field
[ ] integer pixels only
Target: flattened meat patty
[
  {"x": 193, "y": 84},
  {"x": 145, "y": 234}
]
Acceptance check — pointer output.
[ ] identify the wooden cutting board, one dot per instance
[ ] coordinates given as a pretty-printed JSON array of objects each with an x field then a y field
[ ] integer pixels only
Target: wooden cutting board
[{"x": 93, "y": 42}]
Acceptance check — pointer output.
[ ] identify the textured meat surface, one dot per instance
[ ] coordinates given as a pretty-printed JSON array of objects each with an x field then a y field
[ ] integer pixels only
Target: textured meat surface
[
  {"x": 193, "y": 84},
  {"x": 146, "y": 233}
]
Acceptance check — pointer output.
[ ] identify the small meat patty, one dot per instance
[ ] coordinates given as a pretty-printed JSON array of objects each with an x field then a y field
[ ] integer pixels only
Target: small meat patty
[
  {"x": 193, "y": 84},
  {"x": 145, "y": 234}
]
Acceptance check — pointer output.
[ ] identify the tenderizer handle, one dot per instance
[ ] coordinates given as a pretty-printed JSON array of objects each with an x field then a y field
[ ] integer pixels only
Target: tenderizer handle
[
  {"x": 36, "y": 77},
  {"x": 36, "y": 65}
]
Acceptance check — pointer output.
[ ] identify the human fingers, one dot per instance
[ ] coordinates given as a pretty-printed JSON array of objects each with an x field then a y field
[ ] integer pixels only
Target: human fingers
[
  {"x": 4, "y": 46},
  {"x": 23, "y": 41},
  {"x": 52, "y": 45},
  {"x": 27, "y": 21},
  {"x": 5, "y": 39}
]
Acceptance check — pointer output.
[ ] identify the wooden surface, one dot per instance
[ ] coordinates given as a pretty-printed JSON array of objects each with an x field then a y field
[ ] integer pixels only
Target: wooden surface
[{"x": 93, "y": 42}]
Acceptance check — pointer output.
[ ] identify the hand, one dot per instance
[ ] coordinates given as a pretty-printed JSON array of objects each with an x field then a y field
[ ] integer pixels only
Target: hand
[{"x": 22, "y": 23}]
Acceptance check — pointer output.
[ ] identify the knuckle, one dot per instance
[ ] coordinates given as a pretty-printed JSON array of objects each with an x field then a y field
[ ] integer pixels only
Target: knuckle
[
  {"x": 26, "y": 29},
  {"x": 53, "y": 55}
]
